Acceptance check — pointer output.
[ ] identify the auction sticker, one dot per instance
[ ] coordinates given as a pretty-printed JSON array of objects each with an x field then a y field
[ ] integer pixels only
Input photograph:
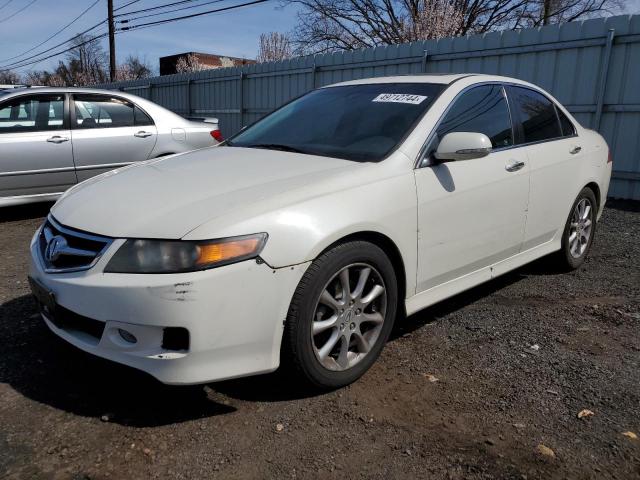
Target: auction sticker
[{"x": 400, "y": 98}]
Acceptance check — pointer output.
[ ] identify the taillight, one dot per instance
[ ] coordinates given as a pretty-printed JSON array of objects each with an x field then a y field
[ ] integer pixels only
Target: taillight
[
  {"x": 216, "y": 134},
  {"x": 609, "y": 158}
]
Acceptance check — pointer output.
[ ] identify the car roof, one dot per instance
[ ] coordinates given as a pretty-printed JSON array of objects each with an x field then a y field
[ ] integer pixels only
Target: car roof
[
  {"x": 22, "y": 90},
  {"x": 438, "y": 78}
]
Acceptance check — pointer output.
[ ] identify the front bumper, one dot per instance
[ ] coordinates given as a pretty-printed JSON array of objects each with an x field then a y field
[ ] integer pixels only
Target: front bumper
[{"x": 234, "y": 315}]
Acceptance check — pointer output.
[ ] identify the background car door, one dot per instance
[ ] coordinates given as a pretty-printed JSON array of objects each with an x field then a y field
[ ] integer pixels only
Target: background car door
[
  {"x": 555, "y": 157},
  {"x": 108, "y": 132},
  {"x": 35, "y": 147},
  {"x": 471, "y": 213}
]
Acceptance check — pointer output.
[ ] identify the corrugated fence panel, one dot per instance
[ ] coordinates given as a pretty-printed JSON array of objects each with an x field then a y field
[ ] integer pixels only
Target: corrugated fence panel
[{"x": 592, "y": 67}]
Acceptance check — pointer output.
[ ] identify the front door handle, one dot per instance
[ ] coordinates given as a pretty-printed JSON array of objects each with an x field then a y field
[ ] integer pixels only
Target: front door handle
[
  {"x": 514, "y": 165},
  {"x": 142, "y": 134},
  {"x": 575, "y": 150},
  {"x": 57, "y": 139}
]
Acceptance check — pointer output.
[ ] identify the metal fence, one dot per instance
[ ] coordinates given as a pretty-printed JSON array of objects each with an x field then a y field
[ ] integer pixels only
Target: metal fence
[{"x": 592, "y": 67}]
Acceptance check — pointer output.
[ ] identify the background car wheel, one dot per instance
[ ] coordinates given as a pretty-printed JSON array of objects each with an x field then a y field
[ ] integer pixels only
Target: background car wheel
[
  {"x": 341, "y": 314},
  {"x": 579, "y": 230}
]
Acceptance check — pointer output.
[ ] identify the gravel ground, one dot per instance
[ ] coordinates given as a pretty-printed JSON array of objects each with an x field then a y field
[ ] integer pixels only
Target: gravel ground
[{"x": 470, "y": 388}]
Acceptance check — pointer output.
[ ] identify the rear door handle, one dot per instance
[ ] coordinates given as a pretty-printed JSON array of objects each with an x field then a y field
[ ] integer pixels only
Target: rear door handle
[
  {"x": 57, "y": 139},
  {"x": 575, "y": 150},
  {"x": 514, "y": 165},
  {"x": 142, "y": 134}
]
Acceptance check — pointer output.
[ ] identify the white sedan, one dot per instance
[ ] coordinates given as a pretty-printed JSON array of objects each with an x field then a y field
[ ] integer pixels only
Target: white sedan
[{"x": 301, "y": 239}]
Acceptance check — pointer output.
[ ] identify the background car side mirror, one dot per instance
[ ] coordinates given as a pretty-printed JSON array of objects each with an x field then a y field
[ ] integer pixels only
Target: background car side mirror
[{"x": 463, "y": 146}]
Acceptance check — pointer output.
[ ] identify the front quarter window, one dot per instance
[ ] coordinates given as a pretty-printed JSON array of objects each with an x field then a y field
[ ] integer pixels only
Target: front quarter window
[{"x": 354, "y": 122}]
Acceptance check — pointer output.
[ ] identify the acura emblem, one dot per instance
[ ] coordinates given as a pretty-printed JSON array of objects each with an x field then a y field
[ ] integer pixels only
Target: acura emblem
[{"x": 54, "y": 248}]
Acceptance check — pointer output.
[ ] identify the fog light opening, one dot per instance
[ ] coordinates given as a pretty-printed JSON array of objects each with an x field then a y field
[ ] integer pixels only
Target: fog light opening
[{"x": 127, "y": 336}]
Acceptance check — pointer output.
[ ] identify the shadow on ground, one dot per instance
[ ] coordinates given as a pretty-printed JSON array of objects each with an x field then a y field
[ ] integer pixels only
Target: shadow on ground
[
  {"x": 44, "y": 368},
  {"x": 25, "y": 212}
]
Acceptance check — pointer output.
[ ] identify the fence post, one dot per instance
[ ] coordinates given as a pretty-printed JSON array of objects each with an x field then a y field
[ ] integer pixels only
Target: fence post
[
  {"x": 151, "y": 91},
  {"x": 425, "y": 57},
  {"x": 604, "y": 70},
  {"x": 189, "y": 97},
  {"x": 241, "y": 99},
  {"x": 314, "y": 69}
]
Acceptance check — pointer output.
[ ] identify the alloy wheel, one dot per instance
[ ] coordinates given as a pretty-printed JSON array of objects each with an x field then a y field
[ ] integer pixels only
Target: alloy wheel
[
  {"x": 348, "y": 316},
  {"x": 580, "y": 228}
]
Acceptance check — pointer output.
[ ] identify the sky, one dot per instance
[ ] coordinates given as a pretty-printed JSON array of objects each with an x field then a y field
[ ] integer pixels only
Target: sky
[{"x": 234, "y": 33}]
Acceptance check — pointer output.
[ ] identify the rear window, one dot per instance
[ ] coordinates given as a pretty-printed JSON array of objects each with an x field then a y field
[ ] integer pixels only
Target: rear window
[
  {"x": 537, "y": 114},
  {"x": 98, "y": 111},
  {"x": 354, "y": 122}
]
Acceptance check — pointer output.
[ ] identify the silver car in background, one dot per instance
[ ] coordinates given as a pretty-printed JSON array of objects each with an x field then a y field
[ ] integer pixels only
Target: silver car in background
[{"x": 52, "y": 138}]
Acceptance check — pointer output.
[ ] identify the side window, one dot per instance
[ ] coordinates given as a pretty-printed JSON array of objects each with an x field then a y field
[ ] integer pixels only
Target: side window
[
  {"x": 98, "y": 111},
  {"x": 141, "y": 118},
  {"x": 483, "y": 110},
  {"x": 567, "y": 127},
  {"x": 36, "y": 113},
  {"x": 537, "y": 114}
]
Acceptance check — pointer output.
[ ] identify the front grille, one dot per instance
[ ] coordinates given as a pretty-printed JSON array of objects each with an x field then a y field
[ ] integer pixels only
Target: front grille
[{"x": 63, "y": 249}]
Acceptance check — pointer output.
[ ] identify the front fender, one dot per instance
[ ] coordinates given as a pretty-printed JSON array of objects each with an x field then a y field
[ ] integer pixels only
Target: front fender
[{"x": 299, "y": 232}]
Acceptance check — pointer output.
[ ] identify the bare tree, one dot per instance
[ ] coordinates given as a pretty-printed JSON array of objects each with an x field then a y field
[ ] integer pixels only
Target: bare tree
[
  {"x": 86, "y": 63},
  {"x": 134, "y": 68},
  {"x": 189, "y": 63},
  {"x": 274, "y": 47},
  {"x": 329, "y": 25},
  {"x": 44, "y": 78},
  {"x": 545, "y": 12},
  {"x": 9, "y": 77}
]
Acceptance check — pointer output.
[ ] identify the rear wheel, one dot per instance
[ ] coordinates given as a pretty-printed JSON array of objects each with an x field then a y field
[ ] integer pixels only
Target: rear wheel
[
  {"x": 579, "y": 230},
  {"x": 341, "y": 314}
]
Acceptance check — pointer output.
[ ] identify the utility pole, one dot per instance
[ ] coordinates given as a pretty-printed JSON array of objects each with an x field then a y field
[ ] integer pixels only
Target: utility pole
[{"x": 112, "y": 43}]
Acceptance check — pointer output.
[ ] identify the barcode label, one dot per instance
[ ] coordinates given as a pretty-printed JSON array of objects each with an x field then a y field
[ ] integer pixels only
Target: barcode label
[{"x": 400, "y": 98}]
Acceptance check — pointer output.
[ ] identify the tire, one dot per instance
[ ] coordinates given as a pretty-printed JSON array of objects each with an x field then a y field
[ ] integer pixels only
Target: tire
[
  {"x": 348, "y": 320},
  {"x": 573, "y": 254}
]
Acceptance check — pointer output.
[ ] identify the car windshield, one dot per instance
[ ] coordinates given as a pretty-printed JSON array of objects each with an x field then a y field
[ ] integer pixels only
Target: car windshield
[{"x": 354, "y": 122}]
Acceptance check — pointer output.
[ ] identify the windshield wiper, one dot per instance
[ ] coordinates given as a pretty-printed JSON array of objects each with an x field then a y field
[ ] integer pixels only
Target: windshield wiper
[{"x": 276, "y": 146}]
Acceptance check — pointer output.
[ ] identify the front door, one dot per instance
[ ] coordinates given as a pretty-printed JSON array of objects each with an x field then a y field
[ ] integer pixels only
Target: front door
[
  {"x": 35, "y": 146},
  {"x": 108, "y": 132},
  {"x": 471, "y": 213}
]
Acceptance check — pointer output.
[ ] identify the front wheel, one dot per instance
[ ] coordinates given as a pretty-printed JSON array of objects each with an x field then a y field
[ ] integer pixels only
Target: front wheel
[
  {"x": 579, "y": 230},
  {"x": 341, "y": 314}
]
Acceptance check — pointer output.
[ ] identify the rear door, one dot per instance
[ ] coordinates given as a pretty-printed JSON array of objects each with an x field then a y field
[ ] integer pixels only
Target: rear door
[
  {"x": 108, "y": 132},
  {"x": 471, "y": 213},
  {"x": 35, "y": 146},
  {"x": 555, "y": 158}
]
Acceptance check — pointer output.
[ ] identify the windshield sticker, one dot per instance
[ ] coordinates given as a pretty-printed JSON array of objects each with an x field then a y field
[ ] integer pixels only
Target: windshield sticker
[{"x": 400, "y": 98}]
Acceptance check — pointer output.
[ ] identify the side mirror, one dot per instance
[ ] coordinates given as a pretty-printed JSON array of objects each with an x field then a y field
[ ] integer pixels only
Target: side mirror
[{"x": 463, "y": 146}]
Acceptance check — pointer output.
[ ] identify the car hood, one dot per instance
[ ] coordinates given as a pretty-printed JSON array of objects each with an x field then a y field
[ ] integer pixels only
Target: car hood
[{"x": 169, "y": 197}]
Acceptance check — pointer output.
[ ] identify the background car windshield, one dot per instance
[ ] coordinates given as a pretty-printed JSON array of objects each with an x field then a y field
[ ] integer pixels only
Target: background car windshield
[{"x": 355, "y": 122}]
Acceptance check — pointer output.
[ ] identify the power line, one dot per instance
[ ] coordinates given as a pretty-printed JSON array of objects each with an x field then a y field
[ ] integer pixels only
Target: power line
[
  {"x": 127, "y": 20},
  {"x": 6, "y": 4},
  {"x": 184, "y": 17},
  {"x": 125, "y": 5},
  {"x": 18, "y": 11},
  {"x": 55, "y": 34},
  {"x": 102, "y": 35},
  {"x": 156, "y": 7},
  {"x": 10, "y": 65},
  {"x": 25, "y": 61}
]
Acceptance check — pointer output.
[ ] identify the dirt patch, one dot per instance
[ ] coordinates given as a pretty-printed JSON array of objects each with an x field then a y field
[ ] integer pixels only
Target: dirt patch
[{"x": 469, "y": 388}]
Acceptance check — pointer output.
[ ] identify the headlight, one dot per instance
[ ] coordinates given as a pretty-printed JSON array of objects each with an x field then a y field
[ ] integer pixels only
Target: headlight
[{"x": 174, "y": 256}]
